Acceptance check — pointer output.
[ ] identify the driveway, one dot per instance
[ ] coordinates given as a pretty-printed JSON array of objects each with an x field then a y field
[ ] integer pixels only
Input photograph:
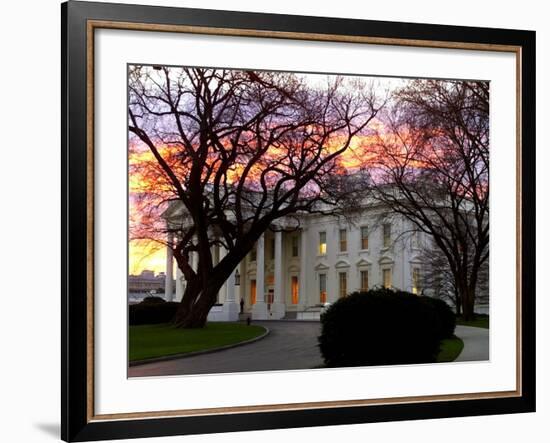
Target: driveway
[
  {"x": 289, "y": 345},
  {"x": 476, "y": 343}
]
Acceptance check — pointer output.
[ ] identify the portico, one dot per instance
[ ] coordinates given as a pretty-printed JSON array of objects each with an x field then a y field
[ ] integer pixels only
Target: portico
[{"x": 294, "y": 273}]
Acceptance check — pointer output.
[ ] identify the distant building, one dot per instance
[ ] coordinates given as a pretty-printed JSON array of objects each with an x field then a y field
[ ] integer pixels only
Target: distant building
[{"x": 147, "y": 281}]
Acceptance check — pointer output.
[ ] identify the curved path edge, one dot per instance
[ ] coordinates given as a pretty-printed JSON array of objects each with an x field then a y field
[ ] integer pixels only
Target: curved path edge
[
  {"x": 476, "y": 343},
  {"x": 205, "y": 351}
]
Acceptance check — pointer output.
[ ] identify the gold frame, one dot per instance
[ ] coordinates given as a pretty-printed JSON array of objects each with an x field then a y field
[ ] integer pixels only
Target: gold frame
[{"x": 92, "y": 25}]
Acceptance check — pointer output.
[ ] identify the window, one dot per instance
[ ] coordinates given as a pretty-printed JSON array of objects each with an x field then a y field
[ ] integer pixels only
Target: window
[
  {"x": 342, "y": 284},
  {"x": 323, "y": 288},
  {"x": 252, "y": 292},
  {"x": 414, "y": 239},
  {"x": 295, "y": 289},
  {"x": 322, "y": 243},
  {"x": 364, "y": 280},
  {"x": 253, "y": 254},
  {"x": 343, "y": 240},
  {"x": 387, "y": 235},
  {"x": 364, "y": 237},
  {"x": 386, "y": 274},
  {"x": 416, "y": 284},
  {"x": 294, "y": 246}
]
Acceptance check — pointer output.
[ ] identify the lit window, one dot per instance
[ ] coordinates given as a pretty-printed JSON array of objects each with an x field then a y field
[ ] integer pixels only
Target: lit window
[
  {"x": 295, "y": 289},
  {"x": 387, "y": 235},
  {"x": 387, "y": 278},
  {"x": 295, "y": 246},
  {"x": 364, "y": 237},
  {"x": 252, "y": 292},
  {"x": 416, "y": 286},
  {"x": 323, "y": 288},
  {"x": 343, "y": 240},
  {"x": 322, "y": 243},
  {"x": 364, "y": 280},
  {"x": 343, "y": 283}
]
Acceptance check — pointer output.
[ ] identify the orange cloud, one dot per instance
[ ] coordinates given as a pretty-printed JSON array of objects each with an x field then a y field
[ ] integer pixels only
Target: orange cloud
[{"x": 145, "y": 254}]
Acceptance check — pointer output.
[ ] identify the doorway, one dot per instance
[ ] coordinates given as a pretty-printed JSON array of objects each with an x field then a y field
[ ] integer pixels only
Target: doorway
[
  {"x": 295, "y": 289},
  {"x": 252, "y": 292}
]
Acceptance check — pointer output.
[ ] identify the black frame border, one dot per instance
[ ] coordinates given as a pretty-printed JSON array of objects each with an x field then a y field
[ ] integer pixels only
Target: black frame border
[{"x": 75, "y": 425}]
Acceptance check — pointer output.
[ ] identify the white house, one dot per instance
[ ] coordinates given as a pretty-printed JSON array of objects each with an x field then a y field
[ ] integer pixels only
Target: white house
[{"x": 294, "y": 274}]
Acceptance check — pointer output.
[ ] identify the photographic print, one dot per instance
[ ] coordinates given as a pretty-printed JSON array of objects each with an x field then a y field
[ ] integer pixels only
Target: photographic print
[
  {"x": 291, "y": 220},
  {"x": 279, "y": 221}
]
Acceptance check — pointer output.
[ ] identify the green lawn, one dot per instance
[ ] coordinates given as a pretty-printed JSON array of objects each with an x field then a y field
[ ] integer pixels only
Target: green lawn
[
  {"x": 149, "y": 341},
  {"x": 450, "y": 349},
  {"x": 479, "y": 321}
]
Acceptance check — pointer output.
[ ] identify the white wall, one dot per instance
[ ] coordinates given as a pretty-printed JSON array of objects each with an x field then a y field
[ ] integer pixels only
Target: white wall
[
  {"x": 30, "y": 258},
  {"x": 397, "y": 257}
]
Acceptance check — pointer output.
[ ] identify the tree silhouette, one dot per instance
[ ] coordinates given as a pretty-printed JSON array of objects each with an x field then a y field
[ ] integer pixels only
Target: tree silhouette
[
  {"x": 433, "y": 168},
  {"x": 231, "y": 152},
  {"x": 437, "y": 276}
]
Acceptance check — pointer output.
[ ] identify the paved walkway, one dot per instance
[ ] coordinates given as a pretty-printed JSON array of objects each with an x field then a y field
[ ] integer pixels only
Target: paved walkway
[
  {"x": 288, "y": 346},
  {"x": 476, "y": 343}
]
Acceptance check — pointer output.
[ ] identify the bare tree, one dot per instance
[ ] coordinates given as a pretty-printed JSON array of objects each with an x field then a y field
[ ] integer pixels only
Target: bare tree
[
  {"x": 433, "y": 168},
  {"x": 237, "y": 150},
  {"x": 439, "y": 279}
]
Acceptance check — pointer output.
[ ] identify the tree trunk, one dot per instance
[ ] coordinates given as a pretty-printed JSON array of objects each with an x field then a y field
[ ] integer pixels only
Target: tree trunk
[
  {"x": 458, "y": 303},
  {"x": 198, "y": 298},
  {"x": 468, "y": 301},
  {"x": 201, "y": 290}
]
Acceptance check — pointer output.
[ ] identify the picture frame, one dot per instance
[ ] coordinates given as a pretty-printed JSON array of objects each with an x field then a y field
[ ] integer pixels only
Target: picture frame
[{"x": 80, "y": 21}]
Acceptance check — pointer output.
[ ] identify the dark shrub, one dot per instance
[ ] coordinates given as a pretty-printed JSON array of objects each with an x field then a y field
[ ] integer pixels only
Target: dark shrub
[
  {"x": 379, "y": 327},
  {"x": 152, "y": 313},
  {"x": 445, "y": 317},
  {"x": 153, "y": 299}
]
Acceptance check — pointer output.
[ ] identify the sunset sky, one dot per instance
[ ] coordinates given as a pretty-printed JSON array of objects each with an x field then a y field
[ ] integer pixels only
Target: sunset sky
[{"x": 146, "y": 254}]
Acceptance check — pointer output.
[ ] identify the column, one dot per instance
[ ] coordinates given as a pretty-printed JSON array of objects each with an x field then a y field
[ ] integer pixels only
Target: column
[
  {"x": 303, "y": 271},
  {"x": 231, "y": 307},
  {"x": 215, "y": 251},
  {"x": 278, "y": 308},
  {"x": 179, "y": 284},
  {"x": 194, "y": 257},
  {"x": 259, "y": 310},
  {"x": 219, "y": 254},
  {"x": 168, "y": 290},
  {"x": 240, "y": 293}
]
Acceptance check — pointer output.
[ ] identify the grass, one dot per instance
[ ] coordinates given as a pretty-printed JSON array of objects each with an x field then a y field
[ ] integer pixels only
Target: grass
[
  {"x": 450, "y": 349},
  {"x": 479, "y": 321},
  {"x": 150, "y": 341}
]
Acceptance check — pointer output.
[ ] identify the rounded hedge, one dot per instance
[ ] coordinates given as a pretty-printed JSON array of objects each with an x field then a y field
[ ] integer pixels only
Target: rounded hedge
[
  {"x": 379, "y": 327},
  {"x": 445, "y": 317},
  {"x": 153, "y": 299},
  {"x": 150, "y": 313}
]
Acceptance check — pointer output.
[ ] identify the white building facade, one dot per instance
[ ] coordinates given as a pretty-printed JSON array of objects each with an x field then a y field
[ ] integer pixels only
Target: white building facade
[{"x": 296, "y": 274}]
